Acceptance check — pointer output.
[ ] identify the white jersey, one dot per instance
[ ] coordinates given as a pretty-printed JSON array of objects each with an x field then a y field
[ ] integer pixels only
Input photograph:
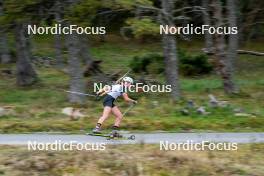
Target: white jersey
[{"x": 116, "y": 91}]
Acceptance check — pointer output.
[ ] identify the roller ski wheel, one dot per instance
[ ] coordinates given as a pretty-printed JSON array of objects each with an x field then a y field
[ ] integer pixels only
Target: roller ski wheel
[
  {"x": 132, "y": 137},
  {"x": 115, "y": 134}
]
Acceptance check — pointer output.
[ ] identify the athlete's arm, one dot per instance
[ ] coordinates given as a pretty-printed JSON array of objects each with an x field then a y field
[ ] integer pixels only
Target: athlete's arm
[
  {"x": 127, "y": 99},
  {"x": 104, "y": 90}
]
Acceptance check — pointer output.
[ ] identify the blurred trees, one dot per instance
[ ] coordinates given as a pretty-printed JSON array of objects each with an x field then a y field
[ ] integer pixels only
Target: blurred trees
[
  {"x": 170, "y": 49},
  {"x": 25, "y": 73},
  {"x": 75, "y": 69},
  {"x": 80, "y": 14},
  {"x": 58, "y": 39},
  {"x": 148, "y": 14},
  {"x": 4, "y": 50},
  {"x": 223, "y": 63},
  {"x": 207, "y": 21},
  {"x": 17, "y": 16},
  {"x": 250, "y": 19},
  {"x": 232, "y": 43},
  {"x": 139, "y": 18}
]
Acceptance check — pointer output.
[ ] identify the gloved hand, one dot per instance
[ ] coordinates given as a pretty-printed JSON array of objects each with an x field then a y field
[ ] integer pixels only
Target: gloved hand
[{"x": 135, "y": 102}]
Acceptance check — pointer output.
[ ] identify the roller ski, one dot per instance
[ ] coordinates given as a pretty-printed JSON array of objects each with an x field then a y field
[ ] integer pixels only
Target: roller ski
[
  {"x": 113, "y": 135},
  {"x": 116, "y": 135}
]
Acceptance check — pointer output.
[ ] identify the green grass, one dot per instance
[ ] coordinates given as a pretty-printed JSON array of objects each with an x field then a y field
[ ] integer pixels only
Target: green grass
[{"x": 38, "y": 108}]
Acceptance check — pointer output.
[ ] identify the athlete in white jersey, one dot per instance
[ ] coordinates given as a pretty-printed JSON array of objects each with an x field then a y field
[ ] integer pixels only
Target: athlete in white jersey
[
  {"x": 109, "y": 107},
  {"x": 116, "y": 90}
]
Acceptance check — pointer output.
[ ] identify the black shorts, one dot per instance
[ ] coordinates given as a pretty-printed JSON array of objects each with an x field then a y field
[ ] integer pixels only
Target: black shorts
[{"x": 109, "y": 101}]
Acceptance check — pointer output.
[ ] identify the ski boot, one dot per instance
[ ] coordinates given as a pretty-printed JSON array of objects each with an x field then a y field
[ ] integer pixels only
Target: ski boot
[{"x": 96, "y": 130}]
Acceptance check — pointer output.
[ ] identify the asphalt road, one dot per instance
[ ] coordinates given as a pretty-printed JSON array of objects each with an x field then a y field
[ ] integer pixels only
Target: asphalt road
[{"x": 149, "y": 138}]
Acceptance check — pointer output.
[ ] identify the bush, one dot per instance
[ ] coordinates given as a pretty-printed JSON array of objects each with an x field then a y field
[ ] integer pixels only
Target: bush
[
  {"x": 143, "y": 28},
  {"x": 194, "y": 65},
  {"x": 153, "y": 63},
  {"x": 150, "y": 63}
]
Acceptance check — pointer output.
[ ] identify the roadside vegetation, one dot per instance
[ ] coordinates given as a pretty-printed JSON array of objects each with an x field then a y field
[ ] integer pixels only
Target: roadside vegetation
[
  {"x": 133, "y": 161},
  {"x": 38, "y": 108}
]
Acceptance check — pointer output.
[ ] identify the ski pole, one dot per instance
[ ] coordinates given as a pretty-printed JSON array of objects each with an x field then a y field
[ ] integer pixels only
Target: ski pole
[
  {"x": 128, "y": 109},
  {"x": 120, "y": 79},
  {"x": 79, "y": 93}
]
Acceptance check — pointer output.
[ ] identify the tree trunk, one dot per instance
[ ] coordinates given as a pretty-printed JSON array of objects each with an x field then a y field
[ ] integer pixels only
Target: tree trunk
[
  {"x": 58, "y": 38},
  {"x": 250, "y": 20},
  {"x": 170, "y": 51},
  {"x": 75, "y": 70},
  {"x": 25, "y": 73},
  {"x": 4, "y": 52},
  {"x": 233, "y": 38},
  {"x": 85, "y": 51},
  {"x": 207, "y": 21},
  {"x": 224, "y": 64}
]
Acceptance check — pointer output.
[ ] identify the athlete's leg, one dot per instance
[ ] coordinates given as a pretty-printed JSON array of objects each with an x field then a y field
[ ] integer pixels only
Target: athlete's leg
[
  {"x": 117, "y": 113},
  {"x": 106, "y": 113}
]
